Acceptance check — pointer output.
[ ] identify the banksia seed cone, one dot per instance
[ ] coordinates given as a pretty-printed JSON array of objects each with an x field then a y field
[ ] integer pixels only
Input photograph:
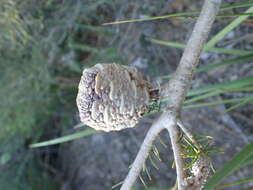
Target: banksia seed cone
[
  {"x": 112, "y": 97},
  {"x": 200, "y": 170}
]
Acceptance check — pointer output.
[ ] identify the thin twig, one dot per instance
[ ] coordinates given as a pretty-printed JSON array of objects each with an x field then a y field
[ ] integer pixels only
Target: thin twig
[
  {"x": 146, "y": 146},
  {"x": 174, "y": 187},
  {"x": 176, "y": 91},
  {"x": 176, "y": 147},
  {"x": 187, "y": 133}
]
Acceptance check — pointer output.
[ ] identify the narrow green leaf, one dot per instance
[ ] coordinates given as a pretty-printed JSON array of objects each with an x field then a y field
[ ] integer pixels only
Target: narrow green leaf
[
  {"x": 143, "y": 182},
  {"x": 227, "y": 29},
  {"x": 162, "y": 142},
  {"x": 4, "y": 158},
  {"x": 201, "y": 97},
  {"x": 226, "y": 85},
  {"x": 216, "y": 65},
  {"x": 237, "y": 5},
  {"x": 145, "y": 169},
  {"x": 248, "y": 161},
  {"x": 84, "y": 47},
  {"x": 153, "y": 18},
  {"x": 168, "y": 43},
  {"x": 98, "y": 29},
  {"x": 153, "y": 162},
  {"x": 220, "y": 15},
  {"x": 156, "y": 153},
  {"x": 118, "y": 184},
  {"x": 234, "y": 183},
  {"x": 232, "y": 100},
  {"x": 188, "y": 13},
  {"x": 79, "y": 125},
  {"x": 149, "y": 188},
  {"x": 235, "y": 14},
  {"x": 66, "y": 138},
  {"x": 226, "y": 62},
  {"x": 215, "y": 50},
  {"x": 242, "y": 89},
  {"x": 217, "y": 92},
  {"x": 238, "y": 105},
  {"x": 229, "y": 167}
]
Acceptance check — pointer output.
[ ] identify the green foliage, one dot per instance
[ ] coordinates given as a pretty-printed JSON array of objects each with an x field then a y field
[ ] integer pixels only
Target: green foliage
[
  {"x": 25, "y": 85},
  {"x": 24, "y": 77},
  {"x": 42, "y": 45},
  {"x": 192, "y": 152},
  {"x": 12, "y": 29},
  {"x": 191, "y": 14},
  {"x": 235, "y": 183},
  {"x": 215, "y": 49},
  {"x": 234, "y": 164},
  {"x": 228, "y": 28},
  {"x": 65, "y": 138},
  {"x": 25, "y": 175},
  {"x": 20, "y": 105}
]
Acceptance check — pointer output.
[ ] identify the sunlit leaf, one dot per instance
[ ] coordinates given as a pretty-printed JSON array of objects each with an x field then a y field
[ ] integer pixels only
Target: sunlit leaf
[
  {"x": 229, "y": 167},
  {"x": 63, "y": 139}
]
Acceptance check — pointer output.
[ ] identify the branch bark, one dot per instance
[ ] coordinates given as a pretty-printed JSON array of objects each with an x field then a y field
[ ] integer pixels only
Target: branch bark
[
  {"x": 146, "y": 146},
  {"x": 176, "y": 91},
  {"x": 178, "y": 86}
]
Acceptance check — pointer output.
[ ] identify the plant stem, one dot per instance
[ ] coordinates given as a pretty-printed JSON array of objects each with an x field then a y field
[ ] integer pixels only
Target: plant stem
[
  {"x": 177, "y": 149},
  {"x": 142, "y": 155},
  {"x": 176, "y": 91},
  {"x": 180, "y": 82}
]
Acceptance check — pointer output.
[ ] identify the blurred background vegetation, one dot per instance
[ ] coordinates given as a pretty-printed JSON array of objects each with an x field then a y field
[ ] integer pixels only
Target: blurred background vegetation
[{"x": 45, "y": 45}]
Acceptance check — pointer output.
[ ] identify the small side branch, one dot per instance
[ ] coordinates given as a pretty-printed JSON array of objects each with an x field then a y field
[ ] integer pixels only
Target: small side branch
[
  {"x": 187, "y": 133},
  {"x": 146, "y": 146},
  {"x": 176, "y": 147}
]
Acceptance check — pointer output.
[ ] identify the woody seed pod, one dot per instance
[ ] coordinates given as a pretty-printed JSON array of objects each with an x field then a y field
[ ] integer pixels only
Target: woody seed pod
[{"x": 112, "y": 97}]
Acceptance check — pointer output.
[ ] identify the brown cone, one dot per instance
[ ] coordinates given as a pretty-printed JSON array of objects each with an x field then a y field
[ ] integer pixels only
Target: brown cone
[{"x": 112, "y": 97}]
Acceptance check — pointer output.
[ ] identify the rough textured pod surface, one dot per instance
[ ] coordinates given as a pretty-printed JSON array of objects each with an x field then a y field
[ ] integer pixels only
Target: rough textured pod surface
[{"x": 112, "y": 97}]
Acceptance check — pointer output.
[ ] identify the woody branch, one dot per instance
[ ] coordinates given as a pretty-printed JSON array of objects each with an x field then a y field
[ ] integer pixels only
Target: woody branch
[{"x": 175, "y": 90}]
